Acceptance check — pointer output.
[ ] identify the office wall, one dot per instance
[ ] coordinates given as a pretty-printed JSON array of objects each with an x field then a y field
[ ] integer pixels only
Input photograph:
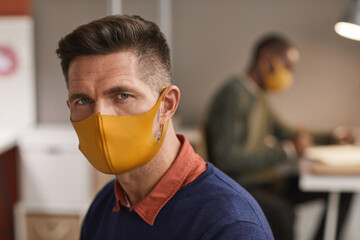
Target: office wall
[
  {"x": 53, "y": 19},
  {"x": 211, "y": 41}
]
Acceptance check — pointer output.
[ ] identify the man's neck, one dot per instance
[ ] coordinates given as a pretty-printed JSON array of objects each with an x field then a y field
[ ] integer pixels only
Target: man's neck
[
  {"x": 139, "y": 182},
  {"x": 253, "y": 75}
]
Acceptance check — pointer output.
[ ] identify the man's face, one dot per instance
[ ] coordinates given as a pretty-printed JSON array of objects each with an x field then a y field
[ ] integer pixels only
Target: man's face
[
  {"x": 108, "y": 84},
  {"x": 276, "y": 69}
]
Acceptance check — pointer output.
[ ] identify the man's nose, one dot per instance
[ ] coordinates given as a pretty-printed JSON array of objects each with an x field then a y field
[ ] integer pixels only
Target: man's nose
[{"x": 104, "y": 108}]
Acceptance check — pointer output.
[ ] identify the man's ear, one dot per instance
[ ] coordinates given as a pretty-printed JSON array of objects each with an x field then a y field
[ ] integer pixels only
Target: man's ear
[
  {"x": 169, "y": 103},
  {"x": 68, "y": 103}
]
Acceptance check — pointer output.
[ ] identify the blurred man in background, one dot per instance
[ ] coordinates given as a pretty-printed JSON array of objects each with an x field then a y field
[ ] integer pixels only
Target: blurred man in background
[{"x": 248, "y": 141}]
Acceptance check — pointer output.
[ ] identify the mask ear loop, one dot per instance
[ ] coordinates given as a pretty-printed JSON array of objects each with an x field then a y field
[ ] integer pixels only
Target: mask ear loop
[{"x": 157, "y": 116}]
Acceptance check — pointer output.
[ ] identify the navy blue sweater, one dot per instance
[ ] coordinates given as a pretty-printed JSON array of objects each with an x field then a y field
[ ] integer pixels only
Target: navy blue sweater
[{"x": 211, "y": 207}]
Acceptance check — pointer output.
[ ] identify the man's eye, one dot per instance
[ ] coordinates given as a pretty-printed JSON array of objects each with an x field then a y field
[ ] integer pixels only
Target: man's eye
[
  {"x": 83, "y": 101},
  {"x": 123, "y": 96}
]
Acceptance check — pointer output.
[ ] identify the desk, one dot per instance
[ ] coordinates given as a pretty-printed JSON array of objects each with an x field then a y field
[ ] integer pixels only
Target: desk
[
  {"x": 51, "y": 206},
  {"x": 8, "y": 137},
  {"x": 334, "y": 184}
]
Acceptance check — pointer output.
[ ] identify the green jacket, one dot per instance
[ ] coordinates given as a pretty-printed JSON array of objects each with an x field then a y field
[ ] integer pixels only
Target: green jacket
[{"x": 244, "y": 135}]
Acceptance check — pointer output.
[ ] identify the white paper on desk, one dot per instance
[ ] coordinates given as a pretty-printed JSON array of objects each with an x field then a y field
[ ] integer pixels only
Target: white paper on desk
[{"x": 335, "y": 155}]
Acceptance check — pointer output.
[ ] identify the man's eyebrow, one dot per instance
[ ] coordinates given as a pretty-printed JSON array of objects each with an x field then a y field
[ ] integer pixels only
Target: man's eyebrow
[
  {"x": 77, "y": 96},
  {"x": 116, "y": 90}
]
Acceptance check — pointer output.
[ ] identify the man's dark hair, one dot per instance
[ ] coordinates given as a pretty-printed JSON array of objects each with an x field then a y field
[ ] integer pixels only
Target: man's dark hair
[
  {"x": 274, "y": 41},
  {"x": 117, "y": 34}
]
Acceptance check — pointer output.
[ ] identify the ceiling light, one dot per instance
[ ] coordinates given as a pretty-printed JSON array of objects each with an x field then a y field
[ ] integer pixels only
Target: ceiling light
[{"x": 349, "y": 24}]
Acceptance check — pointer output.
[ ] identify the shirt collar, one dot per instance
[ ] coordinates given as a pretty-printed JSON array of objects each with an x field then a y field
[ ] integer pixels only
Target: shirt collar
[
  {"x": 250, "y": 85},
  {"x": 186, "y": 167}
]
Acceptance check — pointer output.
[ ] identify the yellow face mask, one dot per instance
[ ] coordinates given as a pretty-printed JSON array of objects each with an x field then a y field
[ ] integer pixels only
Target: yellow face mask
[
  {"x": 117, "y": 144},
  {"x": 279, "y": 80}
]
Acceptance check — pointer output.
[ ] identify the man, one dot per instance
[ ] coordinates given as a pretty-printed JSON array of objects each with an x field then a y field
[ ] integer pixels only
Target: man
[
  {"x": 121, "y": 101},
  {"x": 247, "y": 140}
]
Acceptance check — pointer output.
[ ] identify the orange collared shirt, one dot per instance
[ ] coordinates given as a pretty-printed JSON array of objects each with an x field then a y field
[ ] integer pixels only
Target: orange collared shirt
[{"x": 185, "y": 169}]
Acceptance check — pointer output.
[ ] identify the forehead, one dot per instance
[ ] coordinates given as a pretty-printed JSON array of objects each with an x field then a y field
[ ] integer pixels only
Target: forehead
[
  {"x": 102, "y": 64},
  {"x": 104, "y": 71}
]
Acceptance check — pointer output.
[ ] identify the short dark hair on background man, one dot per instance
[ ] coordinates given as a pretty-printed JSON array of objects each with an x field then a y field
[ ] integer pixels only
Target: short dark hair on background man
[
  {"x": 274, "y": 41},
  {"x": 118, "y": 34}
]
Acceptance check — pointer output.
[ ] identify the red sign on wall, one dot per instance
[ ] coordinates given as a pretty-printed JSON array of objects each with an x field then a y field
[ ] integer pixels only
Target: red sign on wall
[{"x": 8, "y": 61}]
